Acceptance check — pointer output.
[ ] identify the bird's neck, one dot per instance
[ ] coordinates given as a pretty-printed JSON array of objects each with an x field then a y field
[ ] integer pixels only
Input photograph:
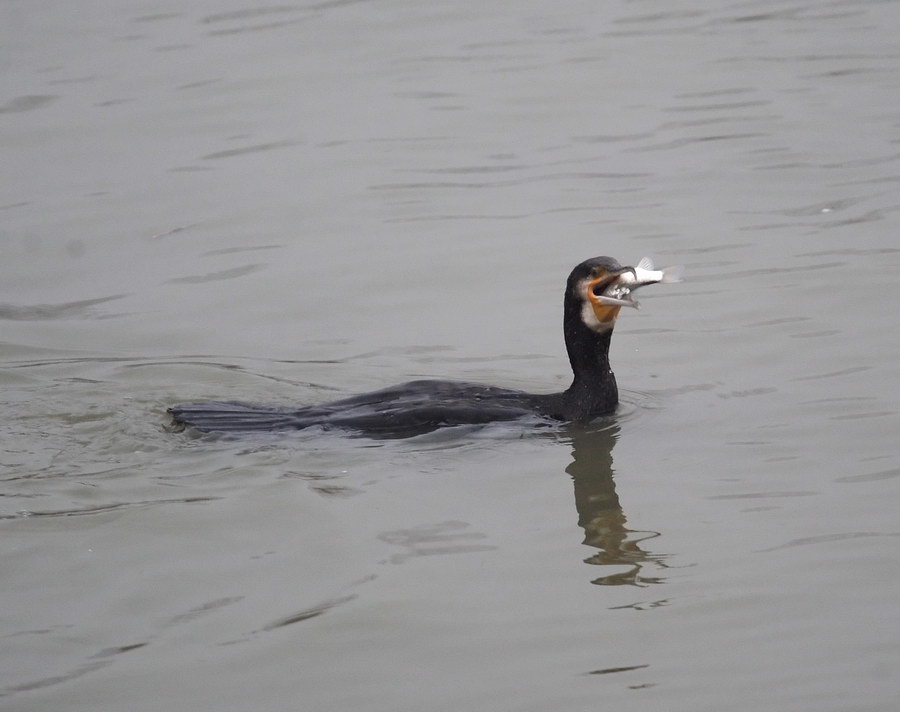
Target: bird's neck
[
  {"x": 593, "y": 386},
  {"x": 589, "y": 356}
]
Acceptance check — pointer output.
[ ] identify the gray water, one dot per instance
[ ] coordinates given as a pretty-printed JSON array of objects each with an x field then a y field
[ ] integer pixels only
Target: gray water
[{"x": 294, "y": 202}]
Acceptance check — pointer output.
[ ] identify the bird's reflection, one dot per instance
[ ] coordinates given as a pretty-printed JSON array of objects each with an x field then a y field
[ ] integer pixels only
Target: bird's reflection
[{"x": 599, "y": 512}]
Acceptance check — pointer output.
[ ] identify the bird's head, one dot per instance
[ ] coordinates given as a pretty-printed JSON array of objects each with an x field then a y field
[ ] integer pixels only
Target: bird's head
[{"x": 589, "y": 290}]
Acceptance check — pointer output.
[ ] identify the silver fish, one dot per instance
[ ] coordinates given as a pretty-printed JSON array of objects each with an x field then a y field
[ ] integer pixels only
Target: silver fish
[{"x": 618, "y": 294}]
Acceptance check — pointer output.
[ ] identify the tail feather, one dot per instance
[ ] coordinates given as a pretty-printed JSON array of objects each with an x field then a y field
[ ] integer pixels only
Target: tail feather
[{"x": 218, "y": 416}]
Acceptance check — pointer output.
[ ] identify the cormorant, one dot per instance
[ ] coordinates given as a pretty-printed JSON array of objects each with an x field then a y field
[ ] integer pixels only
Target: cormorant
[{"x": 595, "y": 292}]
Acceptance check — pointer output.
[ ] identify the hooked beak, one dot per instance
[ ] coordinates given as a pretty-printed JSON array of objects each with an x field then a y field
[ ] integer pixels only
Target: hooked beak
[
  {"x": 612, "y": 291},
  {"x": 604, "y": 297}
]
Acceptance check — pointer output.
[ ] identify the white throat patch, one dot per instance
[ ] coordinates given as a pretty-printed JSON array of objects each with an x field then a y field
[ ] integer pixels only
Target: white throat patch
[{"x": 592, "y": 322}]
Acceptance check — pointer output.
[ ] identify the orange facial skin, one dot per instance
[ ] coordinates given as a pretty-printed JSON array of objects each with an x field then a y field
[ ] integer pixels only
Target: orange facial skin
[{"x": 605, "y": 314}]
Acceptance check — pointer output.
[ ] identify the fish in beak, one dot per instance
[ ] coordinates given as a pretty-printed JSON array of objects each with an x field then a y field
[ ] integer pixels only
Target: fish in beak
[{"x": 619, "y": 291}]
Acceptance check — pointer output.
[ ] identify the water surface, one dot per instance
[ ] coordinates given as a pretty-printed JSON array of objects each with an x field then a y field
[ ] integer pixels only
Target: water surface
[{"x": 296, "y": 202}]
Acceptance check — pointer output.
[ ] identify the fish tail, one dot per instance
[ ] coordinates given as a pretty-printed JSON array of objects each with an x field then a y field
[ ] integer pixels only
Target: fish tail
[{"x": 672, "y": 274}]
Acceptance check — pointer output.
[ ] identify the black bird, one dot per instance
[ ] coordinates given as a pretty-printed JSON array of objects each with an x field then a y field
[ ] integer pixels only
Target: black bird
[{"x": 595, "y": 292}]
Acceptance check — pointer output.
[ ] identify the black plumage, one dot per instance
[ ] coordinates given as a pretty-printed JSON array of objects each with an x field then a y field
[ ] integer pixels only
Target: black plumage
[{"x": 421, "y": 406}]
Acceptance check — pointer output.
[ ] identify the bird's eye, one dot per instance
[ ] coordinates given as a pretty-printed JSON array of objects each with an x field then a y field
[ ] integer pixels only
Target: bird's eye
[{"x": 599, "y": 282}]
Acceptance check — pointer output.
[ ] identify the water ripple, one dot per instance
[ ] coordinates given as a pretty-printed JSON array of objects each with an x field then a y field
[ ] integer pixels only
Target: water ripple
[
  {"x": 203, "y": 609},
  {"x": 257, "y": 148},
  {"x": 612, "y": 670},
  {"x": 217, "y": 276},
  {"x": 834, "y": 374},
  {"x": 765, "y": 495},
  {"x": 102, "y": 509},
  {"x": 27, "y": 103},
  {"x": 47, "y": 312},
  {"x": 829, "y": 539},
  {"x": 307, "y": 613},
  {"x": 871, "y": 476},
  {"x": 435, "y": 539}
]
